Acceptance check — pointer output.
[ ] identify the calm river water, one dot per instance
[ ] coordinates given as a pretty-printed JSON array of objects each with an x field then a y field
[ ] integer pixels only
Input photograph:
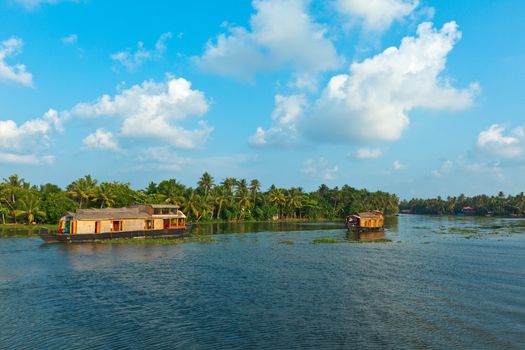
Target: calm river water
[{"x": 442, "y": 283}]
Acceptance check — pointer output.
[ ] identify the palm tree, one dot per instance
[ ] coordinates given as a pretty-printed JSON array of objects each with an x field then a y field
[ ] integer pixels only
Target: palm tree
[
  {"x": 295, "y": 200},
  {"x": 206, "y": 183},
  {"x": 82, "y": 189},
  {"x": 277, "y": 196},
  {"x": 191, "y": 204},
  {"x": 30, "y": 206},
  {"x": 243, "y": 199},
  {"x": 255, "y": 186},
  {"x": 220, "y": 197},
  {"x": 105, "y": 195},
  {"x": 13, "y": 188},
  {"x": 229, "y": 183}
]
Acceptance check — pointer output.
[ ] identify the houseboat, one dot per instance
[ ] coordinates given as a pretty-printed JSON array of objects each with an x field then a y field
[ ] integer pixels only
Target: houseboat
[
  {"x": 138, "y": 221},
  {"x": 366, "y": 221}
]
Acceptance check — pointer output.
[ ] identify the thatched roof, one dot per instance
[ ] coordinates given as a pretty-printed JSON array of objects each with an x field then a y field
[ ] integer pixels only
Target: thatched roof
[
  {"x": 374, "y": 214},
  {"x": 111, "y": 214}
]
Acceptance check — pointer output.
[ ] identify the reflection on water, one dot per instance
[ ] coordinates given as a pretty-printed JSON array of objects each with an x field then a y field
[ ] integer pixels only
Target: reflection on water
[
  {"x": 356, "y": 235},
  {"x": 253, "y": 227},
  {"x": 432, "y": 289}
]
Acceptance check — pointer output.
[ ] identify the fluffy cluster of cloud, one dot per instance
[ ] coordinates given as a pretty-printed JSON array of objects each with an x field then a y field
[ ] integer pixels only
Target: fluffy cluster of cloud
[
  {"x": 32, "y": 4},
  {"x": 132, "y": 60},
  {"x": 16, "y": 73},
  {"x": 372, "y": 102},
  {"x": 153, "y": 111},
  {"x": 282, "y": 34},
  {"x": 284, "y": 119},
  {"x": 493, "y": 142},
  {"x": 377, "y": 15},
  {"x": 70, "y": 39},
  {"x": 398, "y": 166},
  {"x": 444, "y": 169},
  {"x": 101, "y": 139},
  {"x": 368, "y": 153},
  {"x": 23, "y": 143}
]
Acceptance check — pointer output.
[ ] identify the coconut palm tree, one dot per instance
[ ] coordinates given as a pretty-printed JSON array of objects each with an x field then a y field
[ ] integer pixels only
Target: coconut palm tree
[
  {"x": 277, "y": 196},
  {"x": 82, "y": 189},
  {"x": 29, "y": 206},
  {"x": 191, "y": 203},
  {"x": 255, "y": 186},
  {"x": 105, "y": 195},
  {"x": 221, "y": 196},
  {"x": 206, "y": 182},
  {"x": 295, "y": 200},
  {"x": 229, "y": 183},
  {"x": 13, "y": 187},
  {"x": 243, "y": 200}
]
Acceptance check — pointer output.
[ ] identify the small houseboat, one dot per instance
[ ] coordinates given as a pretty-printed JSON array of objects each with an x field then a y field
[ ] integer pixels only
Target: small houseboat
[
  {"x": 366, "y": 221},
  {"x": 138, "y": 221}
]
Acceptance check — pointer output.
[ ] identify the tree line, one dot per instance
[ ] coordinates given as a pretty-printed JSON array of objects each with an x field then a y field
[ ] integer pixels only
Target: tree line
[
  {"x": 228, "y": 200},
  {"x": 498, "y": 205}
]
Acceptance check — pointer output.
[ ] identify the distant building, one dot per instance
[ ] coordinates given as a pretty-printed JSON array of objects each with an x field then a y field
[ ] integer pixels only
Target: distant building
[{"x": 468, "y": 211}]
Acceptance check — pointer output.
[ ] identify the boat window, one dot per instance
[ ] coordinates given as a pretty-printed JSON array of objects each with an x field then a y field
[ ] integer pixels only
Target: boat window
[
  {"x": 149, "y": 224},
  {"x": 165, "y": 210},
  {"x": 173, "y": 210},
  {"x": 156, "y": 211},
  {"x": 173, "y": 222},
  {"x": 116, "y": 226}
]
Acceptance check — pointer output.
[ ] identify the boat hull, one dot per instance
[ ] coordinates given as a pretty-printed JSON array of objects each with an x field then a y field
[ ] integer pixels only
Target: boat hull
[{"x": 50, "y": 237}]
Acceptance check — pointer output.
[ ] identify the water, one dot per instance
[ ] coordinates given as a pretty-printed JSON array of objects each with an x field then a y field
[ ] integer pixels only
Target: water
[{"x": 430, "y": 288}]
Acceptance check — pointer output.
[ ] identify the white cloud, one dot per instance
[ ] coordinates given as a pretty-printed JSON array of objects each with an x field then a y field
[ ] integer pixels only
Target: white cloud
[
  {"x": 491, "y": 168},
  {"x": 23, "y": 144},
  {"x": 492, "y": 142},
  {"x": 165, "y": 159},
  {"x": 133, "y": 60},
  {"x": 288, "y": 109},
  {"x": 70, "y": 39},
  {"x": 282, "y": 34},
  {"x": 101, "y": 139},
  {"x": 445, "y": 168},
  {"x": 319, "y": 168},
  {"x": 368, "y": 153},
  {"x": 155, "y": 111},
  {"x": 25, "y": 159},
  {"x": 17, "y": 72},
  {"x": 377, "y": 15},
  {"x": 32, "y": 4},
  {"x": 398, "y": 165},
  {"x": 372, "y": 102}
]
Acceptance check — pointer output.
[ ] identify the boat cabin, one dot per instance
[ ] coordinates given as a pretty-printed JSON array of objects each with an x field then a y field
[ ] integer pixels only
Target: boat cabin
[
  {"x": 368, "y": 219},
  {"x": 135, "y": 218}
]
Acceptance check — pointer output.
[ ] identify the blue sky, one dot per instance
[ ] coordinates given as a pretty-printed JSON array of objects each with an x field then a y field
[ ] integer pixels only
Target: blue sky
[{"x": 420, "y": 98}]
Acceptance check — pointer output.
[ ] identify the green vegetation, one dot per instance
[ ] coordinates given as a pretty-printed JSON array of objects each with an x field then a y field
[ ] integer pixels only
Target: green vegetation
[
  {"x": 457, "y": 230},
  {"x": 26, "y": 227},
  {"x": 230, "y": 200},
  {"x": 286, "y": 241},
  {"x": 332, "y": 240},
  {"x": 499, "y": 205},
  {"x": 327, "y": 240},
  {"x": 159, "y": 241}
]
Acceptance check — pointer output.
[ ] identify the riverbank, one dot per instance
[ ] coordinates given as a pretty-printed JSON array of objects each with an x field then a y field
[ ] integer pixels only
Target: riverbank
[{"x": 27, "y": 226}]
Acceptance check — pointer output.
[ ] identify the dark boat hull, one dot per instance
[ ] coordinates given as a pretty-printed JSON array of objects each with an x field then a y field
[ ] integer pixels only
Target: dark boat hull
[{"x": 49, "y": 237}]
